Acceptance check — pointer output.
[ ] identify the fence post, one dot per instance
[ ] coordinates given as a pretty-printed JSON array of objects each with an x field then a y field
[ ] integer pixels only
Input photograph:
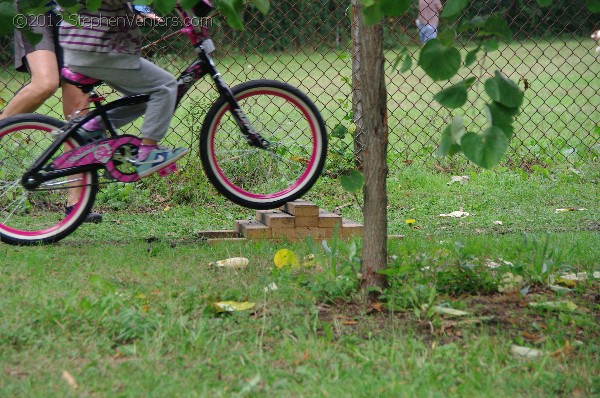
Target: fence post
[{"x": 359, "y": 133}]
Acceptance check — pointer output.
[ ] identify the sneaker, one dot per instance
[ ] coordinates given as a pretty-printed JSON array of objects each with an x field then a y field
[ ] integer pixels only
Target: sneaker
[
  {"x": 90, "y": 137},
  {"x": 157, "y": 158},
  {"x": 92, "y": 217}
]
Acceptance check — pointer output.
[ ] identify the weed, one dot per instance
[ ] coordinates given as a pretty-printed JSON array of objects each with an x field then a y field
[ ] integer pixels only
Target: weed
[{"x": 340, "y": 265}]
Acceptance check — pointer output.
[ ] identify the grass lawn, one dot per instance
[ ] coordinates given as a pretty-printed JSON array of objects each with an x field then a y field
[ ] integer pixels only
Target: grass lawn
[{"x": 124, "y": 308}]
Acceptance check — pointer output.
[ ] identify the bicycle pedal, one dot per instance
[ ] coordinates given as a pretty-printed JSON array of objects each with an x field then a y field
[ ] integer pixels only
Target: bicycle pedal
[{"x": 167, "y": 170}]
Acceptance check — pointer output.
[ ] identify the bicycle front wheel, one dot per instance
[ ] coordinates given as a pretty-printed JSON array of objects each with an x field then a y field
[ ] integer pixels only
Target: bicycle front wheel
[
  {"x": 38, "y": 216},
  {"x": 264, "y": 178}
]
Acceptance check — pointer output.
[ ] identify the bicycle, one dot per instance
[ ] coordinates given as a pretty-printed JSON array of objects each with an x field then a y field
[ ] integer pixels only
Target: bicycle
[{"x": 262, "y": 143}]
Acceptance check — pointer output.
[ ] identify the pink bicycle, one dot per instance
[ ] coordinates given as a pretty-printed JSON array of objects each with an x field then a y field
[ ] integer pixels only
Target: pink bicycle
[{"x": 262, "y": 143}]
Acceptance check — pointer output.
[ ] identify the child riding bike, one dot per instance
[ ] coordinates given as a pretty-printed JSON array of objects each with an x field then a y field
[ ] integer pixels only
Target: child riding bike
[{"x": 106, "y": 46}]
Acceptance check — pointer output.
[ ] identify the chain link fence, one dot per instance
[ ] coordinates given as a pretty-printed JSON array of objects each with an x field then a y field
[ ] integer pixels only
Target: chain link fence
[{"x": 309, "y": 44}]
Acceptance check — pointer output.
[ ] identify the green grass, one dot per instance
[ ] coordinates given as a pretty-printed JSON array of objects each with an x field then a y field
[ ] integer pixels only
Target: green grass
[{"x": 125, "y": 306}]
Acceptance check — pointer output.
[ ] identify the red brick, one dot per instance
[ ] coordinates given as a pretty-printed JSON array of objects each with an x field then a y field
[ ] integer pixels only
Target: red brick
[
  {"x": 275, "y": 218},
  {"x": 287, "y": 233},
  {"x": 253, "y": 229},
  {"x": 310, "y": 221},
  {"x": 301, "y": 208},
  {"x": 328, "y": 219},
  {"x": 350, "y": 228}
]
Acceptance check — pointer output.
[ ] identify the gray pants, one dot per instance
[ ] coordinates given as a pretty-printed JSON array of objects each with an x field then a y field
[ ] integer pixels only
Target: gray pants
[{"x": 148, "y": 79}]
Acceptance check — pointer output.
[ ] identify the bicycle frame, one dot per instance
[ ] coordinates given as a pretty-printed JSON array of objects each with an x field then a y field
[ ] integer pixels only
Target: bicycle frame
[{"x": 202, "y": 66}]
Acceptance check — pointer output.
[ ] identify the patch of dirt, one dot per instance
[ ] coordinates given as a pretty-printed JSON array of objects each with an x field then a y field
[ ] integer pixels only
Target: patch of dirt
[{"x": 506, "y": 314}]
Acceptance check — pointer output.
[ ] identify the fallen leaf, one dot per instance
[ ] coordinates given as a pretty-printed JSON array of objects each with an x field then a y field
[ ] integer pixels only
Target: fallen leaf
[
  {"x": 449, "y": 311},
  {"x": 530, "y": 336},
  {"x": 270, "y": 287},
  {"x": 456, "y": 214},
  {"x": 569, "y": 209},
  {"x": 525, "y": 352},
  {"x": 285, "y": 258},
  {"x": 232, "y": 306},
  {"x": 459, "y": 179},
  {"x": 233, "y": 262},
  {"x": 567, "y": 349},
  {"x": 510, "y": 283},
  {"x": 571, "y": 280},
  {"x": 566, "y": 305},
  {"x": 559, "y": 289},
  {"x": 70, "y": 379}
]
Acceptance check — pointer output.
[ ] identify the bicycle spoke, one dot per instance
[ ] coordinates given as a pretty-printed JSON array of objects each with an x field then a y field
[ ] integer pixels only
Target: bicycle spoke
[{"x": 37, "y": 216}]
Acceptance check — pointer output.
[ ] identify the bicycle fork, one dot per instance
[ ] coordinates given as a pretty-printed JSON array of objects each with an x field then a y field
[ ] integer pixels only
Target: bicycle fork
[{"x": 205, "y": 65}]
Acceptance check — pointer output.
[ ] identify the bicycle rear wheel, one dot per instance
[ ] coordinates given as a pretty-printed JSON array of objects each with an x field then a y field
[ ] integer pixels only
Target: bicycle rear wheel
[
  {"x": 264, "y": 178},
  {"x": 38, "y": 216}
]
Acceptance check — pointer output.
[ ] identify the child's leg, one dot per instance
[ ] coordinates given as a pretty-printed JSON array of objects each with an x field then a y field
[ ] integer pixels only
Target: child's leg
[
  {"x": 148, "y": 79},
  {"x": 44, "y": 82},
  {"x": 162, "y": 88}
]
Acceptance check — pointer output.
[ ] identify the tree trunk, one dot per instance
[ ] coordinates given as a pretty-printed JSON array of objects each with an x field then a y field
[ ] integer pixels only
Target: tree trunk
[
  {"x": 359, "y": 133},
  {"x": 374, "y": 118}
]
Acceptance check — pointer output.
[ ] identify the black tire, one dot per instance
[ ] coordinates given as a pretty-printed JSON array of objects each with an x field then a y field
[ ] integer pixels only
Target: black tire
[
  {"x": 258, "y": 178},
  {"x": 37, "y": 216}
]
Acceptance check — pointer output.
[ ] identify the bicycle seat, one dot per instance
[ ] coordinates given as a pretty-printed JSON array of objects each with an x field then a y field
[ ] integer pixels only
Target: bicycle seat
[{"x": 84, "y": 82}]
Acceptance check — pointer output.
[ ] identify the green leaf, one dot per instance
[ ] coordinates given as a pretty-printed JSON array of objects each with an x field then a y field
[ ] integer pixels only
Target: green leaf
[
  {"x": 501, "y": 117},
  {"x": 476, "y": 23},
  {"x": 503, "y": 90},
  {"x": 32, "y": 37},
  {"x": 457, "y": 129},
  {"x": 92, "y": 5},
  {"x": 372, "y": 14},
  {"x": 232, "y": 10},
  {"x": 261, "y": 5},
  {"x": 453, "y": 8},
  {"x": 68, "y": 3},
  {"x": 447, "y": 146},
  {"x": 496, "y": 25},
  {"x": 7, "y": 14},
  {"x": 470, "y": 81},
  {"x": 594, "y": 6},
  {"x": 490, "y": 45},
  {"x": 353, "y": 182},
  {"x": 406, "y": 64},
  {"x": 28, "y": 6},
  {"x": 339, "y": 131},
  {"x": 485, "y": 150},
  {"x": 544, "y": 3},
  {"x": 164, "y": 6},
  {"x": 454, "y": 96},
  {"x": 447, "y": 37},
  {"x": 472, "y": 56},
  {"x": 438, "y": 61},
  {"x": 185, "y": 4},
  {"x": 394, "y": 8},
  {"x": 400, "y": 57}
]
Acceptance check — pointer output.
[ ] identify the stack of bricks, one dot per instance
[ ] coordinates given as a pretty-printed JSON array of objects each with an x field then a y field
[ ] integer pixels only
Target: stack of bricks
[{"x": 295, "y": 221}]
